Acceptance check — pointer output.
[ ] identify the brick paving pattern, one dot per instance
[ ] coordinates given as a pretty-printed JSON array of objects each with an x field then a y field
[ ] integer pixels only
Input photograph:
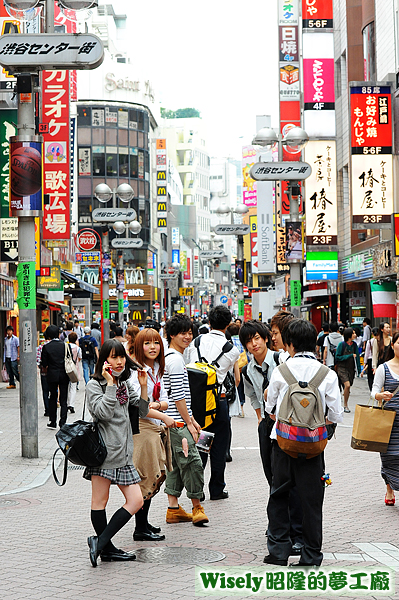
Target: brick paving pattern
[{"x": 44, "y": 527}]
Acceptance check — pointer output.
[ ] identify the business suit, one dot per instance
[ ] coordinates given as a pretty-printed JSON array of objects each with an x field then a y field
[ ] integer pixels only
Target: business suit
[{"x": 53, "y": 357}]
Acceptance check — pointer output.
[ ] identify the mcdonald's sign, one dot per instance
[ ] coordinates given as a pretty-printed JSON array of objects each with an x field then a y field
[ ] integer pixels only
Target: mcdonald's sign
[
  {"x": 161, "y": 190},
  {"x": 136, "y": 316},
  {"x": 161, "y": 175},
  {"x": 162, "y": 225},
  {"x": 162, "y": 209}
]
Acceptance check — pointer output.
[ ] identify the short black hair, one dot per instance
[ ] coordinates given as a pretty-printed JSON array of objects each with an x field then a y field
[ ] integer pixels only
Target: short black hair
[
  {"x": 367, "y": 320},
  {"x": 219, "y": 317},
  {"x": 177, "y": 324},
  {"x": 348, "y": 332},
  {"x": 302, "y": 335},
  {"x": 326, "y": 327},
  {"x": 10, "y": 328},
  {"x": 95, "y": 325},
  {"x": 119, "y": 331},
  {"x": 333, "y": 326},
  {"x": 52, "y": 332},
  {"x": 152, "y": 324},
  {"x": 250, "y": 328},
  {"x": 375, "y": 331}
]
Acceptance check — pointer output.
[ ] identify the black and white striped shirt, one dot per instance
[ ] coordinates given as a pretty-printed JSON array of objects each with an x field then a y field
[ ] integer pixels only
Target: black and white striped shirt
[{"x": 176, "y": 383}]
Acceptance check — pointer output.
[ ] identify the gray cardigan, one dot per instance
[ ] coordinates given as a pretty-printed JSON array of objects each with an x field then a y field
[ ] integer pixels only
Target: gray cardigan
[{"x": 113, "y": 420}]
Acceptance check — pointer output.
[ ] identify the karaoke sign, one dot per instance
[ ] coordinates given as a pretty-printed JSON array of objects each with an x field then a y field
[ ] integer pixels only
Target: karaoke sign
[{"x": 56, "y": 171}]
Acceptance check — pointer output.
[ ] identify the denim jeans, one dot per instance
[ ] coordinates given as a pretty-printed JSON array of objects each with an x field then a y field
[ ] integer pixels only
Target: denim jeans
[
  {"x": 88, "y": 369},
  {"x": 12, "y": 370}
]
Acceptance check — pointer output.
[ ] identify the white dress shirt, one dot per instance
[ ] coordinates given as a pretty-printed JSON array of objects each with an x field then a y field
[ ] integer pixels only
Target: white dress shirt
[
  {"x": 211, "y": 345},
  {"x": 304, "y": 369},
  {"x": 163, "y": 397}
]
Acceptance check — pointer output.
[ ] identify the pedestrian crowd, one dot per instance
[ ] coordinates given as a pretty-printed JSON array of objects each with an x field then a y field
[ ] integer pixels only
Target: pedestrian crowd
[{"x": 141, "y": 387}]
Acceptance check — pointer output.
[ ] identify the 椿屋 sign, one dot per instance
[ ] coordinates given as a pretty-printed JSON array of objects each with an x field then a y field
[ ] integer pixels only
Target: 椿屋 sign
[{"x": 371, "y": 149}]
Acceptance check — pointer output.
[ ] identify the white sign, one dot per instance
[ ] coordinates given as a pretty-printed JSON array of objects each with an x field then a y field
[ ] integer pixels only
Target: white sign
[
  {"x": 211, "y": 253},
  {"x": 372, "y": 189},
  {"x": 8, "y": 229},
  {"x": 175, "y": 236},
  {"x": 232, "y": 229},
  {"x": 321, "y": 194},
  {"x": 127, "y": 243},
  {"x": 288, "y": 13},
  {"x": 110, "y": 215},
  {"x": 27, "y": 338},
  {"x": 51, "y": 51},
  {"x": 280, "y": 171},
  {"x": 266, "y": 261}
]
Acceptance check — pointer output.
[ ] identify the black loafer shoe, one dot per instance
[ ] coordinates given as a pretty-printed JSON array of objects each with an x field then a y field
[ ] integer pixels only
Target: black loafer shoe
[
  {"x": 93, "y": 552},
  {"x": 117, "y": 555},
  {"x": 296, "y": 549},
  {"x": 229, "y": 458},
  {"x": 147, "y": 536},
  {"x": 153, "y": 529},
  {"x": 221, "y": 496},
  {"x": 301, "y": 564},
  {"x": 273, "y": 560}
]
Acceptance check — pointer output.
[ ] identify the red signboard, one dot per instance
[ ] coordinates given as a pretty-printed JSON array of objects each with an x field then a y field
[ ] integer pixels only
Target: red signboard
[
  {"x": 317, "y": 14},
  {"x": 56, "y": 167},
  {"x": 371, "y": 122},
  {"x": 87, "y": 241}
]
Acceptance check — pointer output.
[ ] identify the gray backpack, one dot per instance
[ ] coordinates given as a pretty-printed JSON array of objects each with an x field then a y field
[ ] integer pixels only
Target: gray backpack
[{"x": 301, "y": 426}]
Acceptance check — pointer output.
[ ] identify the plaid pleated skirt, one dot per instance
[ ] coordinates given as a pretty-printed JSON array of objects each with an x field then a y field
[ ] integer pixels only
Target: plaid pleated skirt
[{"x": 123, "y": 476}]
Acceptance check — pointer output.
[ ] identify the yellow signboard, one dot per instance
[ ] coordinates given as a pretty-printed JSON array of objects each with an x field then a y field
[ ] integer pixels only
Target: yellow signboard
[{"x": 186, "y": 291}]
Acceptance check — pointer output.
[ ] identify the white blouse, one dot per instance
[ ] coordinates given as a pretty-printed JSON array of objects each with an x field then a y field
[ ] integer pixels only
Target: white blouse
[
  {"x": 379, "y": 380},
  {"x": 151, "y": 380}
]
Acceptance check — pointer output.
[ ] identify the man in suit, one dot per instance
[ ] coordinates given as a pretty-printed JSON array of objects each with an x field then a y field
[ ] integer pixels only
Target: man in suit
[{"x": 53, "y": 358}]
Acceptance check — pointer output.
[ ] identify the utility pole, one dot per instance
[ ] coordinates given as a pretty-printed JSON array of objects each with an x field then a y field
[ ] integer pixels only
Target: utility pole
[
  {"x": 295, "y": 268},
  {"x": 105, "y": 306},
  {"x": 120, "y": 292}
]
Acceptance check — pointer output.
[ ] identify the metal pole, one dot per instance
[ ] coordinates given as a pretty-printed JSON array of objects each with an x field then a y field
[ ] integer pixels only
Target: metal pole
[
  {"x": 240, "y": 286},
  {"x": 49, "y": 16},
  {"x": 105, "y": 286},
  {"x": 120, "y": 292},
  {"x": 295, "y": 268},
  {"x": 27, "y": 317}
]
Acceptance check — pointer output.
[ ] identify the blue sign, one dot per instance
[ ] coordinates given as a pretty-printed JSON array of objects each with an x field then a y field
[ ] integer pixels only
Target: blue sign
[
  {"x": 175, "y": 256},
  {"x": 126, "y": 304},
  {"x": 223, "y": 299}
]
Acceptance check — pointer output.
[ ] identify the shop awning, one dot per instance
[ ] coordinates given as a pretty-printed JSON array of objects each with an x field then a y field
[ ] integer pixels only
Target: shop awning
[
  {"x": 59, "y": 306},
  {"x": 83, "y": 285}
]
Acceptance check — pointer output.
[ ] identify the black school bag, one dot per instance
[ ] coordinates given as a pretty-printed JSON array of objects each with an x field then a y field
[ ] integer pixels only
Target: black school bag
[{"x": 87, "y": 348}]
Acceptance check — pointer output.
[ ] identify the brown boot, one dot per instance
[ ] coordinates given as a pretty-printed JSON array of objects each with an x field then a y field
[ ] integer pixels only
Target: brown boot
[
  {"x": 178, "y": 515},
  {"x": 199, "y": 517}
]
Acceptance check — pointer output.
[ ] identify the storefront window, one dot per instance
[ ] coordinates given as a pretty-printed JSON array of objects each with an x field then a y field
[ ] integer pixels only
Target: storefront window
[
  {"x": 112, "y": 164},
  {"x": 123, "y": 162},
  {"x": 98, "y": 161},
  {"x": 133, "y": 163}
]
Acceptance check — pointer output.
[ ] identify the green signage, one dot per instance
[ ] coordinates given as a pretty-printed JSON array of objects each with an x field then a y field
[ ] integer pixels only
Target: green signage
[
  {"x": 106, "y": 309},
  {"x": 296, "y": 299},
  {"x": 7, "y": 129},
  {"x": 120, "y": 305},
  {"x": 241, "y": 308},
  {"x": 26, "y": 275}
]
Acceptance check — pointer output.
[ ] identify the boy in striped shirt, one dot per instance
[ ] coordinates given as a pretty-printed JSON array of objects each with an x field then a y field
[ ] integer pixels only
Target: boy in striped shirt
[{"x": 187, "y": 471}]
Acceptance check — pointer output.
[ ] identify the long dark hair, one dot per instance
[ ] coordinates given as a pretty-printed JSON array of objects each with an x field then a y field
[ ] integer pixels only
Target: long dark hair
[
  {"x": 381, "y": 345},
  {"x": 119, "y": 350}
]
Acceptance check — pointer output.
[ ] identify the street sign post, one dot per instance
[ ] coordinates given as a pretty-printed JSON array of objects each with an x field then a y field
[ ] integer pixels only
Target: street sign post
[
  {"x": 280, "y": 171},
  {"x": 49, "y": 51},
  {"x": 86, "y": 241},
  {"x": 211, "y": 253},
  {"x": 127, "y": 243},
  {"x": 186, "y": 291},
  {"x": 110, "y": 215},
  {"x": 232, "y": 229}
]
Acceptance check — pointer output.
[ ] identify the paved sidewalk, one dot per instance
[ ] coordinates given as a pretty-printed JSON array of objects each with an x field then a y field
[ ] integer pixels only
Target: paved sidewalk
[{"x": 44, "y": 529}]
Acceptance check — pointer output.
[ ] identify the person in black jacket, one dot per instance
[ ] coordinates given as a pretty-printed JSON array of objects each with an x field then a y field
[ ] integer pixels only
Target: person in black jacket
[{"x": 53, "y": 358}]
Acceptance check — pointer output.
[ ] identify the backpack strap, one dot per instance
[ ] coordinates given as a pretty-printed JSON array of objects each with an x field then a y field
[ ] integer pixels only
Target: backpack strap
[
  {"x": 286, "y": 373},
  {"x": 276, "y": 357},
  {"x": 320, "y": 376},
  {"x": 244, "y": 373},
  {"x": 225, "y": 350},
  {"x": 197, "y": 342}
]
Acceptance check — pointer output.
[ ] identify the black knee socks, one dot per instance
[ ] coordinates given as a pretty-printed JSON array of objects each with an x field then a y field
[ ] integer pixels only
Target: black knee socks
[
  {"x": 118, "y": 520},
  {"x": 141, "y": 517},
  {"x": 99, "y": 522}
]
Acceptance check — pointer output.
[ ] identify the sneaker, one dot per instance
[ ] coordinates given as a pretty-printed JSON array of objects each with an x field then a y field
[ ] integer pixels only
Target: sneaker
[
  {"x": 178, "y": 515},
  {"x": 199, "y": 517},
  {"x": 52, "y": 425},
  {"x": 71, "y": 409},
  {"x": 10, "y": 387}
]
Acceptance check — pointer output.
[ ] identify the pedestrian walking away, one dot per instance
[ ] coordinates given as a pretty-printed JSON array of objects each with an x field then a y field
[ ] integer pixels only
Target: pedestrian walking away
[
  {"x": 77, "y": 359},
  {"x": 109, "y": 395},
  {"x": 387, "y": 379},
  {"x": 11, "y": 356},
  {"x": 53, "y": 362},
  {"x": 43, "y": 374},
  {"x": 151, "y": 456},
  {"x": 348, "y": 363},
  {"x": 89, "y": 346}
]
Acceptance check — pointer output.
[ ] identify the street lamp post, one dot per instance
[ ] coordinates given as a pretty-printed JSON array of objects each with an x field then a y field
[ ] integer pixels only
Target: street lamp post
[
  {"x": 294, "y": 141},
  {"x": 240, "y": 209}
]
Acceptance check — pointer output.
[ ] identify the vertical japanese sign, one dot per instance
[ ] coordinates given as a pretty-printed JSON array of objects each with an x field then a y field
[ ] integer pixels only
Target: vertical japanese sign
[
  {"x": 162, "y": 191},
  {"x": 295, "y": 293},
  {"x": 249, "y": 197},
  {"x": 321, "y": 194},
  {"x": 266, "y": 262},
  {"x": 7, "y": 130},
  {"x": 371, "y": 155},
  {"x": 56, "y": 171},
  {"x": 317, "y": 14},
  {"x": 253, "y": 224},
  {"x": 69, "y": 26},
  {"x": 26, "y": 275},
  {"x": 281, "y": 260}
]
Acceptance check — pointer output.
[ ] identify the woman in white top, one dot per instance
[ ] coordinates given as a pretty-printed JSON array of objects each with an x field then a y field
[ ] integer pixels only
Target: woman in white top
[
  {"x": 77, "y": 359},
  {"x": 151, "y": 454}
]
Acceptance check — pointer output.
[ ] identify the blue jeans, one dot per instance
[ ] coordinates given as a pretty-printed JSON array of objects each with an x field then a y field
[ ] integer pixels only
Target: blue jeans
[
  {"x": 88, "y": 369},
  {"x": 12, "y": 370}
]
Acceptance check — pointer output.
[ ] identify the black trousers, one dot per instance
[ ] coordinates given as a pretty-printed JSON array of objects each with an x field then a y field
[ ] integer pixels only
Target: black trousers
[
  {"x": 306, "y": 475},
  {"x": 45, "y": 391},
  {"x": 220, "y": 427},
  {"x": 370, "y": 374},
  {"x": 53, "y": 399}
]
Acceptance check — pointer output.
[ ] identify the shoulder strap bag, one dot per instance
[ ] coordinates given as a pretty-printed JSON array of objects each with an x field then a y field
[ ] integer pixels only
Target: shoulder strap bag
[{"x": 70, "y": 367}]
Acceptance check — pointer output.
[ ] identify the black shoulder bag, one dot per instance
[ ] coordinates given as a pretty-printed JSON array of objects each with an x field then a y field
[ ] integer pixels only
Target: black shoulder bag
[{"x": 81, "y": 443}]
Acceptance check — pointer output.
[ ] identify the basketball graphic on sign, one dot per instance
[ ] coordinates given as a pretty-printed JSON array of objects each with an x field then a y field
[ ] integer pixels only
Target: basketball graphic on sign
[{"x": 25, "y": 171}]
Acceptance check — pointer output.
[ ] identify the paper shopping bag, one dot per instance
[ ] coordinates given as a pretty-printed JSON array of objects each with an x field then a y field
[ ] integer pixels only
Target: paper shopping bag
[{"x": 372, "y": 428}]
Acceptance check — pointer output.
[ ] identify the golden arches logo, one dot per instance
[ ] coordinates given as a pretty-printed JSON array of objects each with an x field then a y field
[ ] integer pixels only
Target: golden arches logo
[{"x": 136, "y": 315}]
